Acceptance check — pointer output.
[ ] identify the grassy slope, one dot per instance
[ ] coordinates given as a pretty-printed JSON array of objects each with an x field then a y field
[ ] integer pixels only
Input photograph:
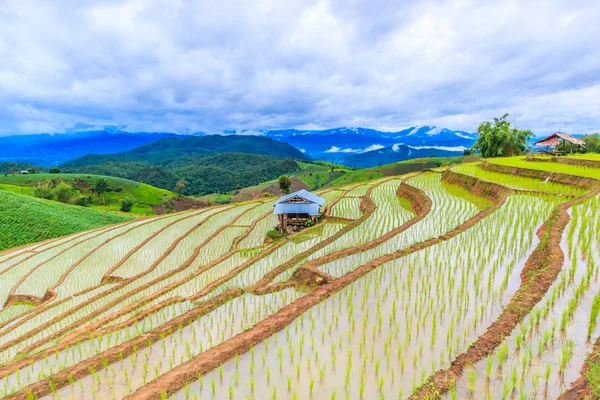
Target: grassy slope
[
  {"x": 24, "y": 219},
  {"x": 143, "y": 195}
]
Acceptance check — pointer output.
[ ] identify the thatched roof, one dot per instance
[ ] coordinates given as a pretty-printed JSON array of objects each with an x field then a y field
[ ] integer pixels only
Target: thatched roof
[{"x": 554, "y": 140}]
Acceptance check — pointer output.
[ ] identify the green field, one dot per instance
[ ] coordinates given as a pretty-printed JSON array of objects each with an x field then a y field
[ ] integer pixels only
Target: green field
[
  {"x": 401, "y": 278},
  {"x": 398, "y": 168},
  {"x": 144, "y": 196},
  {"x": 24, "y": 219}
]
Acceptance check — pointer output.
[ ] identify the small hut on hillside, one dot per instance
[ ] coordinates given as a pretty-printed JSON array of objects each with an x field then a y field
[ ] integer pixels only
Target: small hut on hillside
[
  {"x": 295, "y": 209},
  {"x": 555, "y": 141}
]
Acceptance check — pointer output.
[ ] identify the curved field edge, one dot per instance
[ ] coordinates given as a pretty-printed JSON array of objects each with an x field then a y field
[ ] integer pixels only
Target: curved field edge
[
  {"x": 541, "y": 269},
  {"x": 212, "y": 358}
]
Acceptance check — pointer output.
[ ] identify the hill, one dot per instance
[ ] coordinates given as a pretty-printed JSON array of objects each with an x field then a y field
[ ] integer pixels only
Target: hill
[
  {"x": 24, "y": 219},
  {"x": 343, "y": 144},
  {"x": 328, "y": 144},
  {"x": 50, "y": 150},
  {"x": 78, "y": 189},
  {"x": 210, "y": 164},
  {"x": 395, "y": 153}
]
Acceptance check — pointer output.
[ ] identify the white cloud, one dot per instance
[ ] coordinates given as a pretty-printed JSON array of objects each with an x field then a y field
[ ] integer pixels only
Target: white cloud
[
  {"x": 335, "y": 149},
  {"x": 158, "y": 65},
  {"x": 447, "y": 148},
  {"x": 373, "y": 147}
]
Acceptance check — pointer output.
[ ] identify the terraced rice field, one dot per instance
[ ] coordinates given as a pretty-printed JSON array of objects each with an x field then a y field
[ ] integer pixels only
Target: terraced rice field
[{"x": 466, "y": 283}]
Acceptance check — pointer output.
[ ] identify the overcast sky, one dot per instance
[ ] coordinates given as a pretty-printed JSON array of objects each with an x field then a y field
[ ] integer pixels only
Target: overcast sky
[{"x": 170, "y": 65}]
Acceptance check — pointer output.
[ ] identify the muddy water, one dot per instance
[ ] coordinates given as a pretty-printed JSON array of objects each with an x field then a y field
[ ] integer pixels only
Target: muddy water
[
  {"x": 87, "y": 348},
  {"x": 377, "y": 335},
  {"x": 124, "y": 377},
  {"x": 523, "y": 375}
]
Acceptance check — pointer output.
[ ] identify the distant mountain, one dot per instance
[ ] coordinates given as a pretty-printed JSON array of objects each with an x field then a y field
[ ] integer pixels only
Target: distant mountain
[
  {"x": 340, "y": 144},
  {"x": 395, "y": 153},
  {"x": 329, "y": 144},
  {"x": 211, "y": 164},
  {"x": 50, "y": 150}
]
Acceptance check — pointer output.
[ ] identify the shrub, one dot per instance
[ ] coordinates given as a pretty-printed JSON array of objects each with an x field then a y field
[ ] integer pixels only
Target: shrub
[{"x": 126, "y": 204}]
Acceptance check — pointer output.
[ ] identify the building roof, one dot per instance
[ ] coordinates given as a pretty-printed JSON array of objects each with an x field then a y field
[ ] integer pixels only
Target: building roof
[
  {"x": 310, "y": 209},
  {"x": 554, "y": 140},
  {"x": 305, "y": 194}
]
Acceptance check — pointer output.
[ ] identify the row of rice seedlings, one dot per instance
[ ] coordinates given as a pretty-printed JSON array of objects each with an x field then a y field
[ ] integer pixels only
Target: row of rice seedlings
[
  {"x": 49, "y": 274},
  {"x": 257, "y": 236},
  {"x": 518, "y": 182},
  {"x": 385, "y": 333},
  {"x": 177, "y": 257},
  {"x": 158, "y": 245},
  {"x": 86, "y": 348},
  {"x": 330, "y": 197},
  {"x": 447, "y": 212},
  {"x": 347, "y": 207},
  {"x": 125, "y": 376},
  {"x": 545, "y": 353},
  {"x": 217, "y": 247},
  {"x": 261, "y": 267},
  {"x": 90, "y": 272},
  {"x": 520, "y": 162},
  {"x": 255, "y": 213},
  {"x": 361, "y": 190},
  {"x": 14, "y": 270},
  {"x": 389, "y": 214},
  {"x": 20, "y": 253}
]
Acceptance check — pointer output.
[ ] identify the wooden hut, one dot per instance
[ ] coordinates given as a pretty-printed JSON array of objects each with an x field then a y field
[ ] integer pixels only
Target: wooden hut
[
  {"x": 556, "y": 139},
  {"x": 295, "y": 209}
]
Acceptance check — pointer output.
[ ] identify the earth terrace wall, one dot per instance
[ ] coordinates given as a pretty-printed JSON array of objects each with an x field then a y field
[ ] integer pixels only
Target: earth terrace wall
[
  {"x": 111, "y": 290},
  {"x": 421, "y": 205},
  {"x": 540, "y": 271},
  {"x": 555, "y": 177},
  {"x": 565, "y": 160},
  {"x": 74, "y": 337},
  {"x": 241, "y": 343},
  {"x": 142, "y": 287}
]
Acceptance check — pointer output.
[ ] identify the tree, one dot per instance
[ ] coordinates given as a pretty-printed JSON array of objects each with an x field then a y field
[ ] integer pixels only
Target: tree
[
  {"x": 167, "y": 205},
  {"x": 31, "y": 170},
  {"x": 500, "y": 139},
  {"x": 592, "y": 142},
  {"x": 126, "y": 204},
  {"x": 54, "y": 170},
  {"x": 180, "y": 186},
  {"x": 284, "y": 184},
  {"x": 100, "y": 188}
]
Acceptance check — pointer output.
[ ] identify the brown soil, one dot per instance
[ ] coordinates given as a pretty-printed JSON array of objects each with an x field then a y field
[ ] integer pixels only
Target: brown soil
[
  {"x": 311, "y": 277},
  {"x": 565, "y": 179},
  {"x": 541, "y": 269},
  {"x": 82, "y": 369},
  {"x": 181, "y": 203},
  {"x": 241, "y": 343}
]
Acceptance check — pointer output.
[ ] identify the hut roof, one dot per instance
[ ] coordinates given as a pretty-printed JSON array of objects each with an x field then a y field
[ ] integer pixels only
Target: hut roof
[
  {"x": 300, "y": 202},
  {"x": 554, "y": 140},
  {"x": 304, "y": 194}
]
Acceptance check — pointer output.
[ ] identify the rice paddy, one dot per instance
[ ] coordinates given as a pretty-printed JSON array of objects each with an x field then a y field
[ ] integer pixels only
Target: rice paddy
[{"x": 400, "y": 278}]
